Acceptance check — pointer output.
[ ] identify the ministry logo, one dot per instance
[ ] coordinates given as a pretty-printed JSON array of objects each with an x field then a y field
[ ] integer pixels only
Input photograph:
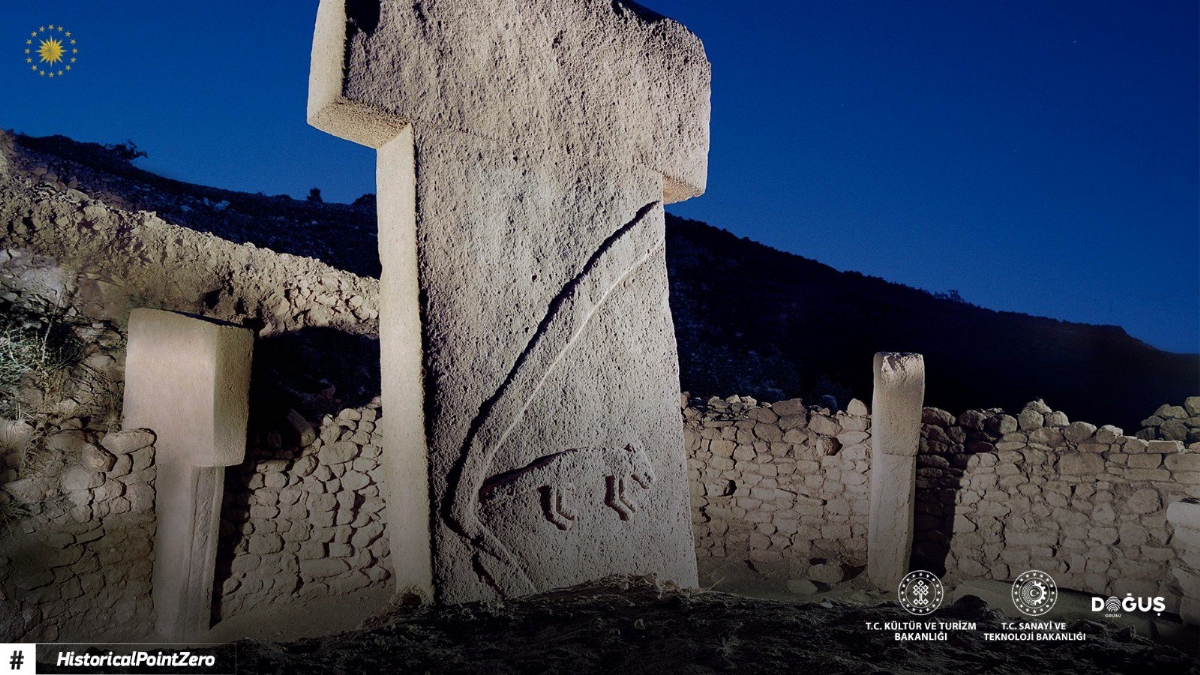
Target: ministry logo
[
  {"x": 1034, "y": 593},
  {"x": 51, "y": 51},
  {"x": 920, "y": 592}
]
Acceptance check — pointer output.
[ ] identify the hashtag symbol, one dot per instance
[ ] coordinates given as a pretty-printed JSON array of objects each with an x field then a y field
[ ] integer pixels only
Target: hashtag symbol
[{"x": 17, "y": 660}]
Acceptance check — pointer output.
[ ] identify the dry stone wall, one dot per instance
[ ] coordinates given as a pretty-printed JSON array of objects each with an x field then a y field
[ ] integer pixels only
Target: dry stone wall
[
  {"x": 999, "y": 494},
  {"x": 77, "y": 551},
  {"x": 305, "y": 514},
  {"x": 75, "y": 253},
  {"x": 1174, "y": 422},
  {"x": 781, "y": 487}
]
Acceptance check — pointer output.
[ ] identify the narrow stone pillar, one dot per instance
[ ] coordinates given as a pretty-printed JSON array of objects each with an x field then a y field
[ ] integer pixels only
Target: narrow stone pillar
[
  {"x": 895, "y": 437},
  {"x": 187, "y": 379},
  {"x": 1184, "y": 517}
]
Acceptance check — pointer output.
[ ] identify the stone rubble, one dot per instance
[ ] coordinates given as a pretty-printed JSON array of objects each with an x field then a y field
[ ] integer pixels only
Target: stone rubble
[{"x": 1173, "y": 422}]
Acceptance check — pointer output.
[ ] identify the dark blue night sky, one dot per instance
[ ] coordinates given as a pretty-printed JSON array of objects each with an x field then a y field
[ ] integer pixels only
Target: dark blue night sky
[{"x": 1041, "y": 157}]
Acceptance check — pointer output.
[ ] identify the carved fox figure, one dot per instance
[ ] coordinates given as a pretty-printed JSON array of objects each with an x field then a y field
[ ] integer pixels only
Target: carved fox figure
[
  {"x": 619, "y": 256},
  {"x": 555, "y": 475}
]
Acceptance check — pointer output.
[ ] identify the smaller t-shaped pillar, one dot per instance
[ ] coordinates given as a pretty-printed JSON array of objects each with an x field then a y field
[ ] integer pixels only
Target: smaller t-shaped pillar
[{"x": 187, "y": 379}]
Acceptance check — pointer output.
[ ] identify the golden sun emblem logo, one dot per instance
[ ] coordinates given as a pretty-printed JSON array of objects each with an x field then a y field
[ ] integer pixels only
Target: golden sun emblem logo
[{"x": 51, "y": 51}]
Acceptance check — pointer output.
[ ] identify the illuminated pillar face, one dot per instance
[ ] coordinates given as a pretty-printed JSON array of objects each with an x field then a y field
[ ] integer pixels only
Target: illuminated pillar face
[
  {"x": 895, "y": 439},
  {"x": 188, "y": 380},
  {"x": 530, "y": 380}
]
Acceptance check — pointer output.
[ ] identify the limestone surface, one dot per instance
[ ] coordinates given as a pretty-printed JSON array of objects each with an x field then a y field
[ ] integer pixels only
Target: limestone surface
[
  {"x": 579, "y": 76},
  {"x": 895, "y": 436},
  {"x": 526, "y": 150},
  {"x": 188, "y": 380}
]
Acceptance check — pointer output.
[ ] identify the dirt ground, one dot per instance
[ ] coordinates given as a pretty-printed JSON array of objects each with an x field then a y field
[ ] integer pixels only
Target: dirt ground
[{"x": 637, "y": 626}]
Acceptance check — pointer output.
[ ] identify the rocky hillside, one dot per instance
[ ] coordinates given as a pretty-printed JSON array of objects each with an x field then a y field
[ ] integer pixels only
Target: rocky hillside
[
  {"x": 753, "y": 319},
  {"x": 748, "y": 318}
]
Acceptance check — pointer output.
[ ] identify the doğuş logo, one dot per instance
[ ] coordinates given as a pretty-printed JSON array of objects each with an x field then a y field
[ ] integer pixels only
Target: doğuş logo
[{"x": 1114, "y": 606}]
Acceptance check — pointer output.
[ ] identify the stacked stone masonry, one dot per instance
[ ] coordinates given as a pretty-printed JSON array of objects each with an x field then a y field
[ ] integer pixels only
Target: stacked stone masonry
[
  {"x": 1184, "y": 517},
  {"x": 304, "y": 516},
  {"x": 998, "y": 495},
  {"x": 75, "y": 562},
  {"x": 1174, "y": 422},
  {"x": 781, "y": 487}
]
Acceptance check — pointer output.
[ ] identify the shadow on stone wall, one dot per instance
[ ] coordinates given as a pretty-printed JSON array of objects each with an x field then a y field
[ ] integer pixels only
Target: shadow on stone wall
[
  {"x": 298, "y": 380},
  {"x": 314, "y": 371},
  {"x": 945, "y": 448}
]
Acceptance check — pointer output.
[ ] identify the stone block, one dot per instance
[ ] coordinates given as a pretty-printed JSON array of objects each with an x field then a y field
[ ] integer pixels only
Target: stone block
[
  {"x": 1108, "y": 434},
  {"x": 1192, "y": 405},
  {"x": 1029, "y": 420},
  {"x": 1148, "y": 460},
  {"x": 1184, "y": 461},
  {"x": 187, "y": 378},
  {"x": 790, "y": 407},
  {"x": 1165, "y": 447},
  {"x": 1078, "y": 432},
  {"x": 1080, "y": 464},
  {"x": 858, "y": 408},
  {"x": 1185, "y": 513}
]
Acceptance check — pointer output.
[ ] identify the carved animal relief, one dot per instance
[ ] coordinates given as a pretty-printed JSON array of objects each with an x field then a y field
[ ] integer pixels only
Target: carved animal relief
[
  {"x": 559, "y": 475},
  {"x": 618, "y": 257}
]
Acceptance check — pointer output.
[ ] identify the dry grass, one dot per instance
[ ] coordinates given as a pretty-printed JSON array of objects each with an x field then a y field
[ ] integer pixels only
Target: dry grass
[{"x": 35, "y": 352}]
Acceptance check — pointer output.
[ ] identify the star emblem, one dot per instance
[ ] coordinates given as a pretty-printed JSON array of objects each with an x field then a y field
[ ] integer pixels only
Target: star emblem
[{"x": 51, "y": 50}]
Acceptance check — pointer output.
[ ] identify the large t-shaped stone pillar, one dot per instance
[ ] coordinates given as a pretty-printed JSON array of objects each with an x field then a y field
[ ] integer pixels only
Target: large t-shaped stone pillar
[
  {"x": 187, "y": 379},
  {"x": 895, "y": 439},
  {"x": 530, "y": 380}
]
